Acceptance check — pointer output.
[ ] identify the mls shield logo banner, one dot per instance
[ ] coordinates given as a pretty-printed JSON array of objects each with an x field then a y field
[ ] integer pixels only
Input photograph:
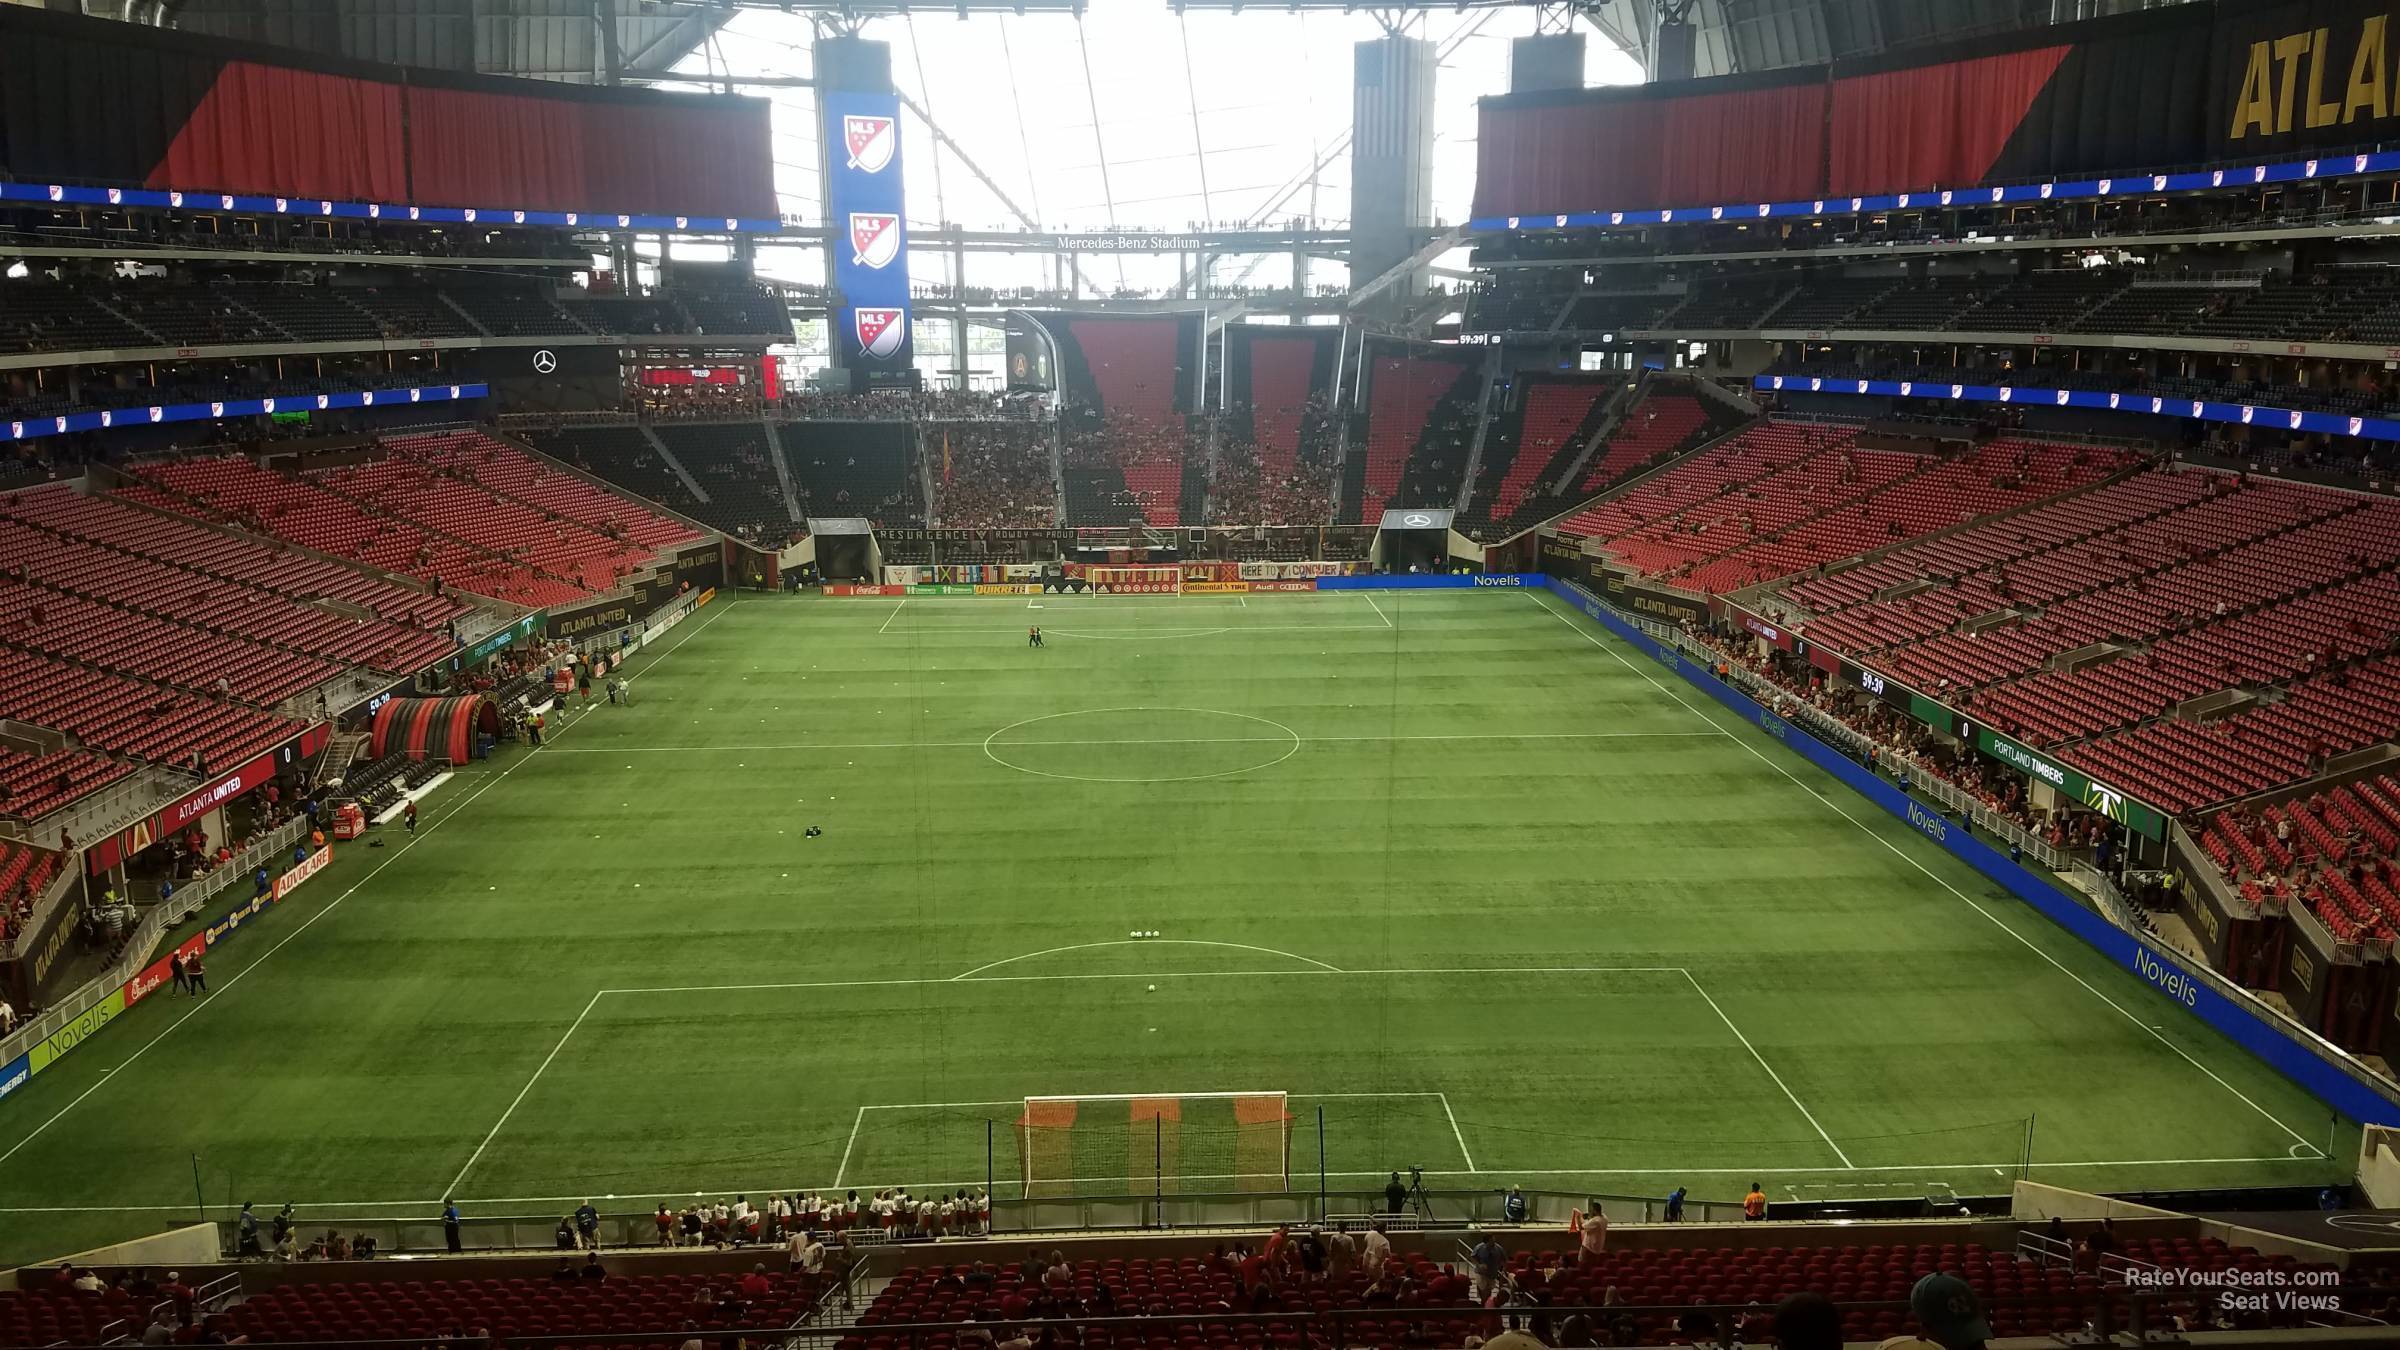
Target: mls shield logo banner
[
  {"x": 874, "y": 239},
  {"x": 867, "y": 205},
  {"x": 880, "y": 331},
  {"x": 871, "y": 141}
]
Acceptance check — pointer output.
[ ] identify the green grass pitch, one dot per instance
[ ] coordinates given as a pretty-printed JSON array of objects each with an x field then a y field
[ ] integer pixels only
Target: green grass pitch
[{"x": 1457, "y": 871}]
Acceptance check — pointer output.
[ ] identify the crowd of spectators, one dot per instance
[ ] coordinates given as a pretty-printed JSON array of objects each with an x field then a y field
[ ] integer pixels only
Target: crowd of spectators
[
  {"x": 1241, "y": 491},
  {"x": 1901, "y": 745},
  {"x": 696, "y": 402},
  {"x": 993, "y": 475},
  {"x": 795, "y": 1220}
]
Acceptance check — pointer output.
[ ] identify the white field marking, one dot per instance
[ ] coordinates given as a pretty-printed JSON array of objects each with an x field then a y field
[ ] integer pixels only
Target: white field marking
[
  {"x": 1135, "y": 631},
  {"x": 1789, "y": 1095},
  {"x": 466, "y": 1202},
  {"x": 1170, "y": 740},
  {"x": 855, "y": 1122},
  {"x": 913, "y": 982},
  {"x": 1387, "y": 622},
  {"x": 1158, "y": 635},
  {"x": 887, "y": 619},
  {"x": 1454, "y": 1132},
  {"x": 263, "y": 957},
  {"x": 1144, "y": 942},
  {"x": 1912, "y": 861},
  {"x": 519, "y": 1099},
  {"x": 1293, "y": 736}
]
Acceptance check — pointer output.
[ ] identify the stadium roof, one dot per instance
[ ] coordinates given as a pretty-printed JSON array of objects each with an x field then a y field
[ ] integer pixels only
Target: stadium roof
[{"x": 542, "y": 39}]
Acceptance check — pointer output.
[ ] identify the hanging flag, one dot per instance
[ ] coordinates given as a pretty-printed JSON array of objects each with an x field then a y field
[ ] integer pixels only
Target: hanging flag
[{"x": 945, "y": 458}]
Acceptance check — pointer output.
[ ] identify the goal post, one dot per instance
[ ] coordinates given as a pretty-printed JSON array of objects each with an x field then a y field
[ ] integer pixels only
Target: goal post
[
  {"x": 1120, "y": 580},
  {"x": 1137, "y": 1143}
]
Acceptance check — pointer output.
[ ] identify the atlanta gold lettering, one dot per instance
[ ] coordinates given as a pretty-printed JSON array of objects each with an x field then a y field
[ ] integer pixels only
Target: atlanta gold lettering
[{"x": 2285, "y": 84}]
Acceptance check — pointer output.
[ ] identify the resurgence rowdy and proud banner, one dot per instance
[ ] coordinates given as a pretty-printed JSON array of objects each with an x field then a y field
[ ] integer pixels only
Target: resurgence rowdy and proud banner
[{"x": 867, "y": 210}]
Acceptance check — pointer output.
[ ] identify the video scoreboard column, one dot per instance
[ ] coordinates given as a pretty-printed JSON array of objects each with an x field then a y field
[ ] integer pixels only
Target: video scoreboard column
[{"x": 867, "y": 210}]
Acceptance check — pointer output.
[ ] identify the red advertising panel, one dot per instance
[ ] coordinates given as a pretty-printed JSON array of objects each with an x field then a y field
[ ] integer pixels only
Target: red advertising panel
[{"x": 108, "y": 852}]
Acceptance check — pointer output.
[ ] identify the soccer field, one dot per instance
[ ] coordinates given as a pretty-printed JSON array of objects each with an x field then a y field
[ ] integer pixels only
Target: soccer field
[{"x": 1477, "y": 887}]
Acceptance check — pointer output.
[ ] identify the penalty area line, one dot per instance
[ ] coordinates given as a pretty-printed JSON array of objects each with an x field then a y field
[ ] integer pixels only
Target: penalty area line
[{"x": 1905, "y": 856}]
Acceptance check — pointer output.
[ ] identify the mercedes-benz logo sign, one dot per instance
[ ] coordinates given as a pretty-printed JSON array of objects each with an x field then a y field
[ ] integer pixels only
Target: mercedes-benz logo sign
[
  {"x": 1416, "y": 518},
  {"x": 545, "y": 361}
]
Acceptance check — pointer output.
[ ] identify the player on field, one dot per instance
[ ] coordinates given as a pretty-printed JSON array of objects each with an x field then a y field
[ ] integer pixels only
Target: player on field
[{"x": 1033, "y": 636}]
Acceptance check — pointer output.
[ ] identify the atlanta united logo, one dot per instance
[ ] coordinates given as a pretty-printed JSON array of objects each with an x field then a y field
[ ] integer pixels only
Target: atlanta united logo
[
  {"x": 871, "y": 141},
  {"x": 874, "y": 238},
  {"x": 880, "y": 331}
]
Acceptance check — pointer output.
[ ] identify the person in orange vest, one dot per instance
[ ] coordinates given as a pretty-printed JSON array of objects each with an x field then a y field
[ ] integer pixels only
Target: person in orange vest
[{"x": 1754, "y": 1205}]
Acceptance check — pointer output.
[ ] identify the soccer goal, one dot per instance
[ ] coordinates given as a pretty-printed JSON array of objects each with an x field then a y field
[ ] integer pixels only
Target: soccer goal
[
  {"x": 1139, "y": 580},
  {"x": 1188, "y": 1142}
]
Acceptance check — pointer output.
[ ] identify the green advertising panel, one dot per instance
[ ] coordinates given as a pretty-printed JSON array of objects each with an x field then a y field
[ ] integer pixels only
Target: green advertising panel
[{"x": 2073, "y": 782}]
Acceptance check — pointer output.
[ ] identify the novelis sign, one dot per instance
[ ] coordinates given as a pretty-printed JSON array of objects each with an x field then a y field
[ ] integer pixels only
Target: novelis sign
[{"x": 2102, "y": 798}]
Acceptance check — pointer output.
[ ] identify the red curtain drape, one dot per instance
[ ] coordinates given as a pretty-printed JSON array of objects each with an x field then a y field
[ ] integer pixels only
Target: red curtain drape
[
  {"x": 1747, "y": 145},
  {"x": 1932, "y": 126},
  {"x": 565, "y": 154},
  {"x": 294, "y": 133},
  {"x": 715, "y": 160},
  {"x": 467, "y": 148}
]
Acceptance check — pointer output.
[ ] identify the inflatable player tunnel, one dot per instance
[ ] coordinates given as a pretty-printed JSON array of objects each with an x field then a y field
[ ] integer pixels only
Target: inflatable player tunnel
[{"x": 446, "y": 728}]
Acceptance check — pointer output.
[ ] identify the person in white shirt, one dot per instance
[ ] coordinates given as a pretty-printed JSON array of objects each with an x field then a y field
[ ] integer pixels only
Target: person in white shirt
[
  {"x": 8, "y": 1017},
  {"x": 1377, "y": 1249},
  {"x": 812, "y": 1256},
  {"x": 741, "y": 1209}
]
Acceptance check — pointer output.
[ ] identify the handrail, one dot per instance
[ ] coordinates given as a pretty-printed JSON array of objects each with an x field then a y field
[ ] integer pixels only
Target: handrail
[
  {"x": 137, "y": 954},
  {"x": 2117, "y": 1308},
  {"x": 1827, "y": 727}
]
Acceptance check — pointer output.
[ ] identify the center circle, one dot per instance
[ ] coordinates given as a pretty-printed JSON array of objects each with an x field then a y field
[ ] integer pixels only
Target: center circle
[{"x": 1141, "y": 745}]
